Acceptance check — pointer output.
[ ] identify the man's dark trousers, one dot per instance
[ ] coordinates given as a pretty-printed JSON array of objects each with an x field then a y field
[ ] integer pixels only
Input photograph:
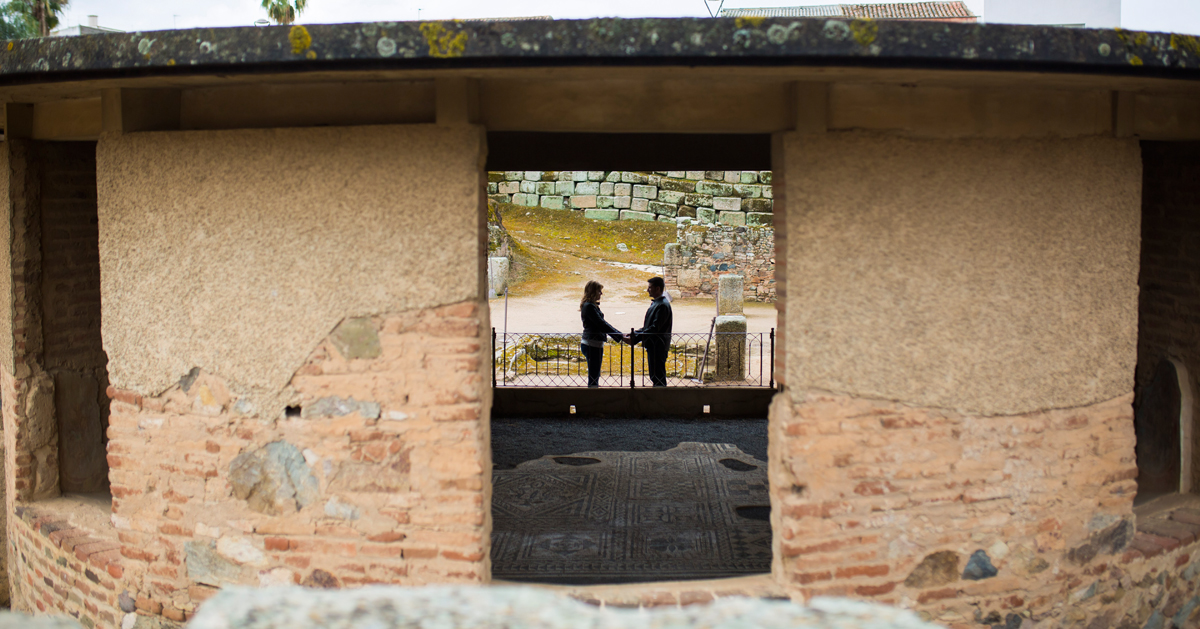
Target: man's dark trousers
[{"x": 656, "y": 359}]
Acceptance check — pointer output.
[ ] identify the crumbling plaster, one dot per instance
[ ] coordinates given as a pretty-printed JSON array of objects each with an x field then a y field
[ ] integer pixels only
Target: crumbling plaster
[
  {"x": 986, "y": 276},
  {"x": 238, "y": 251}
]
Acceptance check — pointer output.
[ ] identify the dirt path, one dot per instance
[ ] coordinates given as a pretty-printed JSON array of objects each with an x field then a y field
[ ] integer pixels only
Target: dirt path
[
  {"x": 560, "y": 252},
  {"x": 559, "y": 312}
]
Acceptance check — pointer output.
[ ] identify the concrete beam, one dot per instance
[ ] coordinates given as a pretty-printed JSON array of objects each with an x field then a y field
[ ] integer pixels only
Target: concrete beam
[
  {"x": 18, "y": 121},
  {"x": 811, "y": 102},
  {"x": 637, "y": 106},
  {"x": 265, "y": 105},
  {"x": 1166, "y": 117},
  {"x": 946, "y": 112},
  {"x": 127, "y": 110},
  {"x": 457, "y": 101}
]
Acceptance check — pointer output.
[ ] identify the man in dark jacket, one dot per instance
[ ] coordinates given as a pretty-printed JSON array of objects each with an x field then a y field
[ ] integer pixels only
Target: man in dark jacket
[{"x": 655, "y": 334}]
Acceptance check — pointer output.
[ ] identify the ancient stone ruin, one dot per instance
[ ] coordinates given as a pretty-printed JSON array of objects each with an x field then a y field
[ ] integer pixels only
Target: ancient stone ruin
[{"x": 248, "y": 339}]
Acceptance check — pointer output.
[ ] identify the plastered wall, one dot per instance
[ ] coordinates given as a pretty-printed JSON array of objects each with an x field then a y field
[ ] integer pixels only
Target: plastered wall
[
  {"x": 956, "y": 431},
  {"x": 238, "y": 251},
  {"x": 989, "y": 276}
]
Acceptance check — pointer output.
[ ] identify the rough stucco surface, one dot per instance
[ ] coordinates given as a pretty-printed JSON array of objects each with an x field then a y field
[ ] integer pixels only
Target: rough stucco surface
[
  {"x": 238, "y": 251},
  {"x": 989, "y": 276}
]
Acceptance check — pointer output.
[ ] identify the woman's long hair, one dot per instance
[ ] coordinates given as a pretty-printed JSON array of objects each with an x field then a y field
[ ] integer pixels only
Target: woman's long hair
[{"x": 591, "y": 292}]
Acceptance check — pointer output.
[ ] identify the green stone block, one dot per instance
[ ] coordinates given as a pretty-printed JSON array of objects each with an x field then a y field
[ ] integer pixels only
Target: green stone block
[
  {"x": 687, "y": 211},
  {"x": 737, "y": 219},
  {"x": 676, "y": 185},
  {"x": 747, "y": 191},
  {"x": 553, "y": 203},
  {"x": 764, "y": 176},
  {"x": 494, "y": 177},
  {"x": 714, "y": 188},
  {"x": 670, "y": 196},
  {"x": 758, "y": 205},
  {"x": 759, "y": 219},
  {"x": 664, "y": 209},
  {"x": 602, "y": 215},
  {"x": 706, "y": 214},
  {"x": 630, "y": 215}
]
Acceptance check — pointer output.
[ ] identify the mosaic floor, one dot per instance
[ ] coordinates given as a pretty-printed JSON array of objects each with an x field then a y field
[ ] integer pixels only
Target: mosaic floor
[{"x": 697, "y": 511}]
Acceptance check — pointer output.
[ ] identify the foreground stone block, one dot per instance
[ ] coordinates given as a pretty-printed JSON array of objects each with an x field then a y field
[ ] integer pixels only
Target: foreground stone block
[
  {"x": 553, "y": 203},
  {"x": 519, "y": 608},
  {"x": 21, "y": 621}
]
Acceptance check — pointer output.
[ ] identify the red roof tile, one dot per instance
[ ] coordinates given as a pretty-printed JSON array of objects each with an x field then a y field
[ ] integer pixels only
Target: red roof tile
[{"x": 954, "y": 10}]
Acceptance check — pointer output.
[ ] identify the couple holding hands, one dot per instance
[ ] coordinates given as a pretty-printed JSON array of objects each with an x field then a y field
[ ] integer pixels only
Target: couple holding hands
[{"x": 654, "y": 335}]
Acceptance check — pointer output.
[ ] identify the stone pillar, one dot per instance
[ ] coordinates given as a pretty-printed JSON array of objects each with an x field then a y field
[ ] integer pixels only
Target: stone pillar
[
  {"x": 497, "y": 275},
  {"x": 729, "y": 295},
  {"x": 731, "y": 347}
]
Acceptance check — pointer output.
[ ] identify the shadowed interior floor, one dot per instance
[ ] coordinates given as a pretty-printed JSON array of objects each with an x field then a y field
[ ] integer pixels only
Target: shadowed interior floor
[{"x": 696, "y": 511}]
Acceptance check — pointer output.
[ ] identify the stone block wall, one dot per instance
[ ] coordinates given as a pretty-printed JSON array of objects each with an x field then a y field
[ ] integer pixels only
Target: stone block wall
[
  {"x": 1169, "y": 306},
  {"x": 702, "y": 253},
  {"x": 741, "y": 197}
]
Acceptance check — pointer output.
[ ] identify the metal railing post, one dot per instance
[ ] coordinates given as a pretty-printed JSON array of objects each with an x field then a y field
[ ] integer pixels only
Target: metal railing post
[
  {"x": 772, "y": 358},
  {"x": 493, "y": 358},
  {"x": 632, "y": 361}
]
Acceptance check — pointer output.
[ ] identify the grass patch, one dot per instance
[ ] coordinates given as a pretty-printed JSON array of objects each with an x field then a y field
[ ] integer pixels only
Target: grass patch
[
  {"x": 556, "y": 248},
  {"x": 569, "y": 232}
]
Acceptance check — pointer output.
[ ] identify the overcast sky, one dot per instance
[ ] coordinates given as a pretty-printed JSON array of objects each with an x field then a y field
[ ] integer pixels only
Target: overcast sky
[{"x": 134, "y": 15}]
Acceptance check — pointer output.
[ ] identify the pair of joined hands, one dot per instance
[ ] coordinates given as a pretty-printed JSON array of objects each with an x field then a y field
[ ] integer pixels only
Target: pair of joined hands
[{"x": 626, "y": 338}]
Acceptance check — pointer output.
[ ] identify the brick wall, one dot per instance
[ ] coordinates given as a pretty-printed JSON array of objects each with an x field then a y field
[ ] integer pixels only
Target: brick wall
[
  {"x": 65, "y": 569},
  {"x": 868, "y": 491},
  {"x": 385, "y": 452},
  {"x": 1169, "y": 302},
  {"x": 702, "y": 253},
  {"x": 70, "y": 298}
]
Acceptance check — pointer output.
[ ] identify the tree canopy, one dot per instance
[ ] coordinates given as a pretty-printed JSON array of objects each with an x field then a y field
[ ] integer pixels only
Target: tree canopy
[
  {"x": 284, "y": 11},
  {"x": 20, "y": 19}
]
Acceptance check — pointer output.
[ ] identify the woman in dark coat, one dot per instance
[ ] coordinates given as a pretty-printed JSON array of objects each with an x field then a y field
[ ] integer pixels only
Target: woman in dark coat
[{"x": 595, "y": 328}]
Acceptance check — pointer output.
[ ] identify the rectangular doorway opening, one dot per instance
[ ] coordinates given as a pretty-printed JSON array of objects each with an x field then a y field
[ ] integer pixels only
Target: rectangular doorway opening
[{"x": 626, "y": 482}]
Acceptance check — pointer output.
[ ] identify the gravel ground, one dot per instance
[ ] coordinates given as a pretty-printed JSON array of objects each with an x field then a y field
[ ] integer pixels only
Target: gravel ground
[{"x": 515, "y": 441}]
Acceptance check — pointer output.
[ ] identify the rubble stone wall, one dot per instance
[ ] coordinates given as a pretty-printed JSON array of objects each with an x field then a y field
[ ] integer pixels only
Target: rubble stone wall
[
  {"x": 702, "y": 253},
  {"x": 956, "y": 430},
  {"x": 734, "y": 197}
]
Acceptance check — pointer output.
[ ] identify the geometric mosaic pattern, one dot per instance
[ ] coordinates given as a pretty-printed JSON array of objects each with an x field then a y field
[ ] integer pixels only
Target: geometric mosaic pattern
[{"x": 621, "y": 517}]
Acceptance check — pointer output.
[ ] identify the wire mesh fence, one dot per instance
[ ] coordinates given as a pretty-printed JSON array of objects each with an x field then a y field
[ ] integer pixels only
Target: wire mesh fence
[{"x": 693, "y": 359}]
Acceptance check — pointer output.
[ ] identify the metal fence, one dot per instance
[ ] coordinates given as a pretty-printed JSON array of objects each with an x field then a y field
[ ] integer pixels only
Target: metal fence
[{"x": 694, "y": 359}]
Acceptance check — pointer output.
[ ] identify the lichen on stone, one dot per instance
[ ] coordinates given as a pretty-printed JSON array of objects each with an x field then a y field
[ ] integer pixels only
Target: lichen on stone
[
  {"x": 443, "y": 43},
  {"x": 300, "y": 39}
]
